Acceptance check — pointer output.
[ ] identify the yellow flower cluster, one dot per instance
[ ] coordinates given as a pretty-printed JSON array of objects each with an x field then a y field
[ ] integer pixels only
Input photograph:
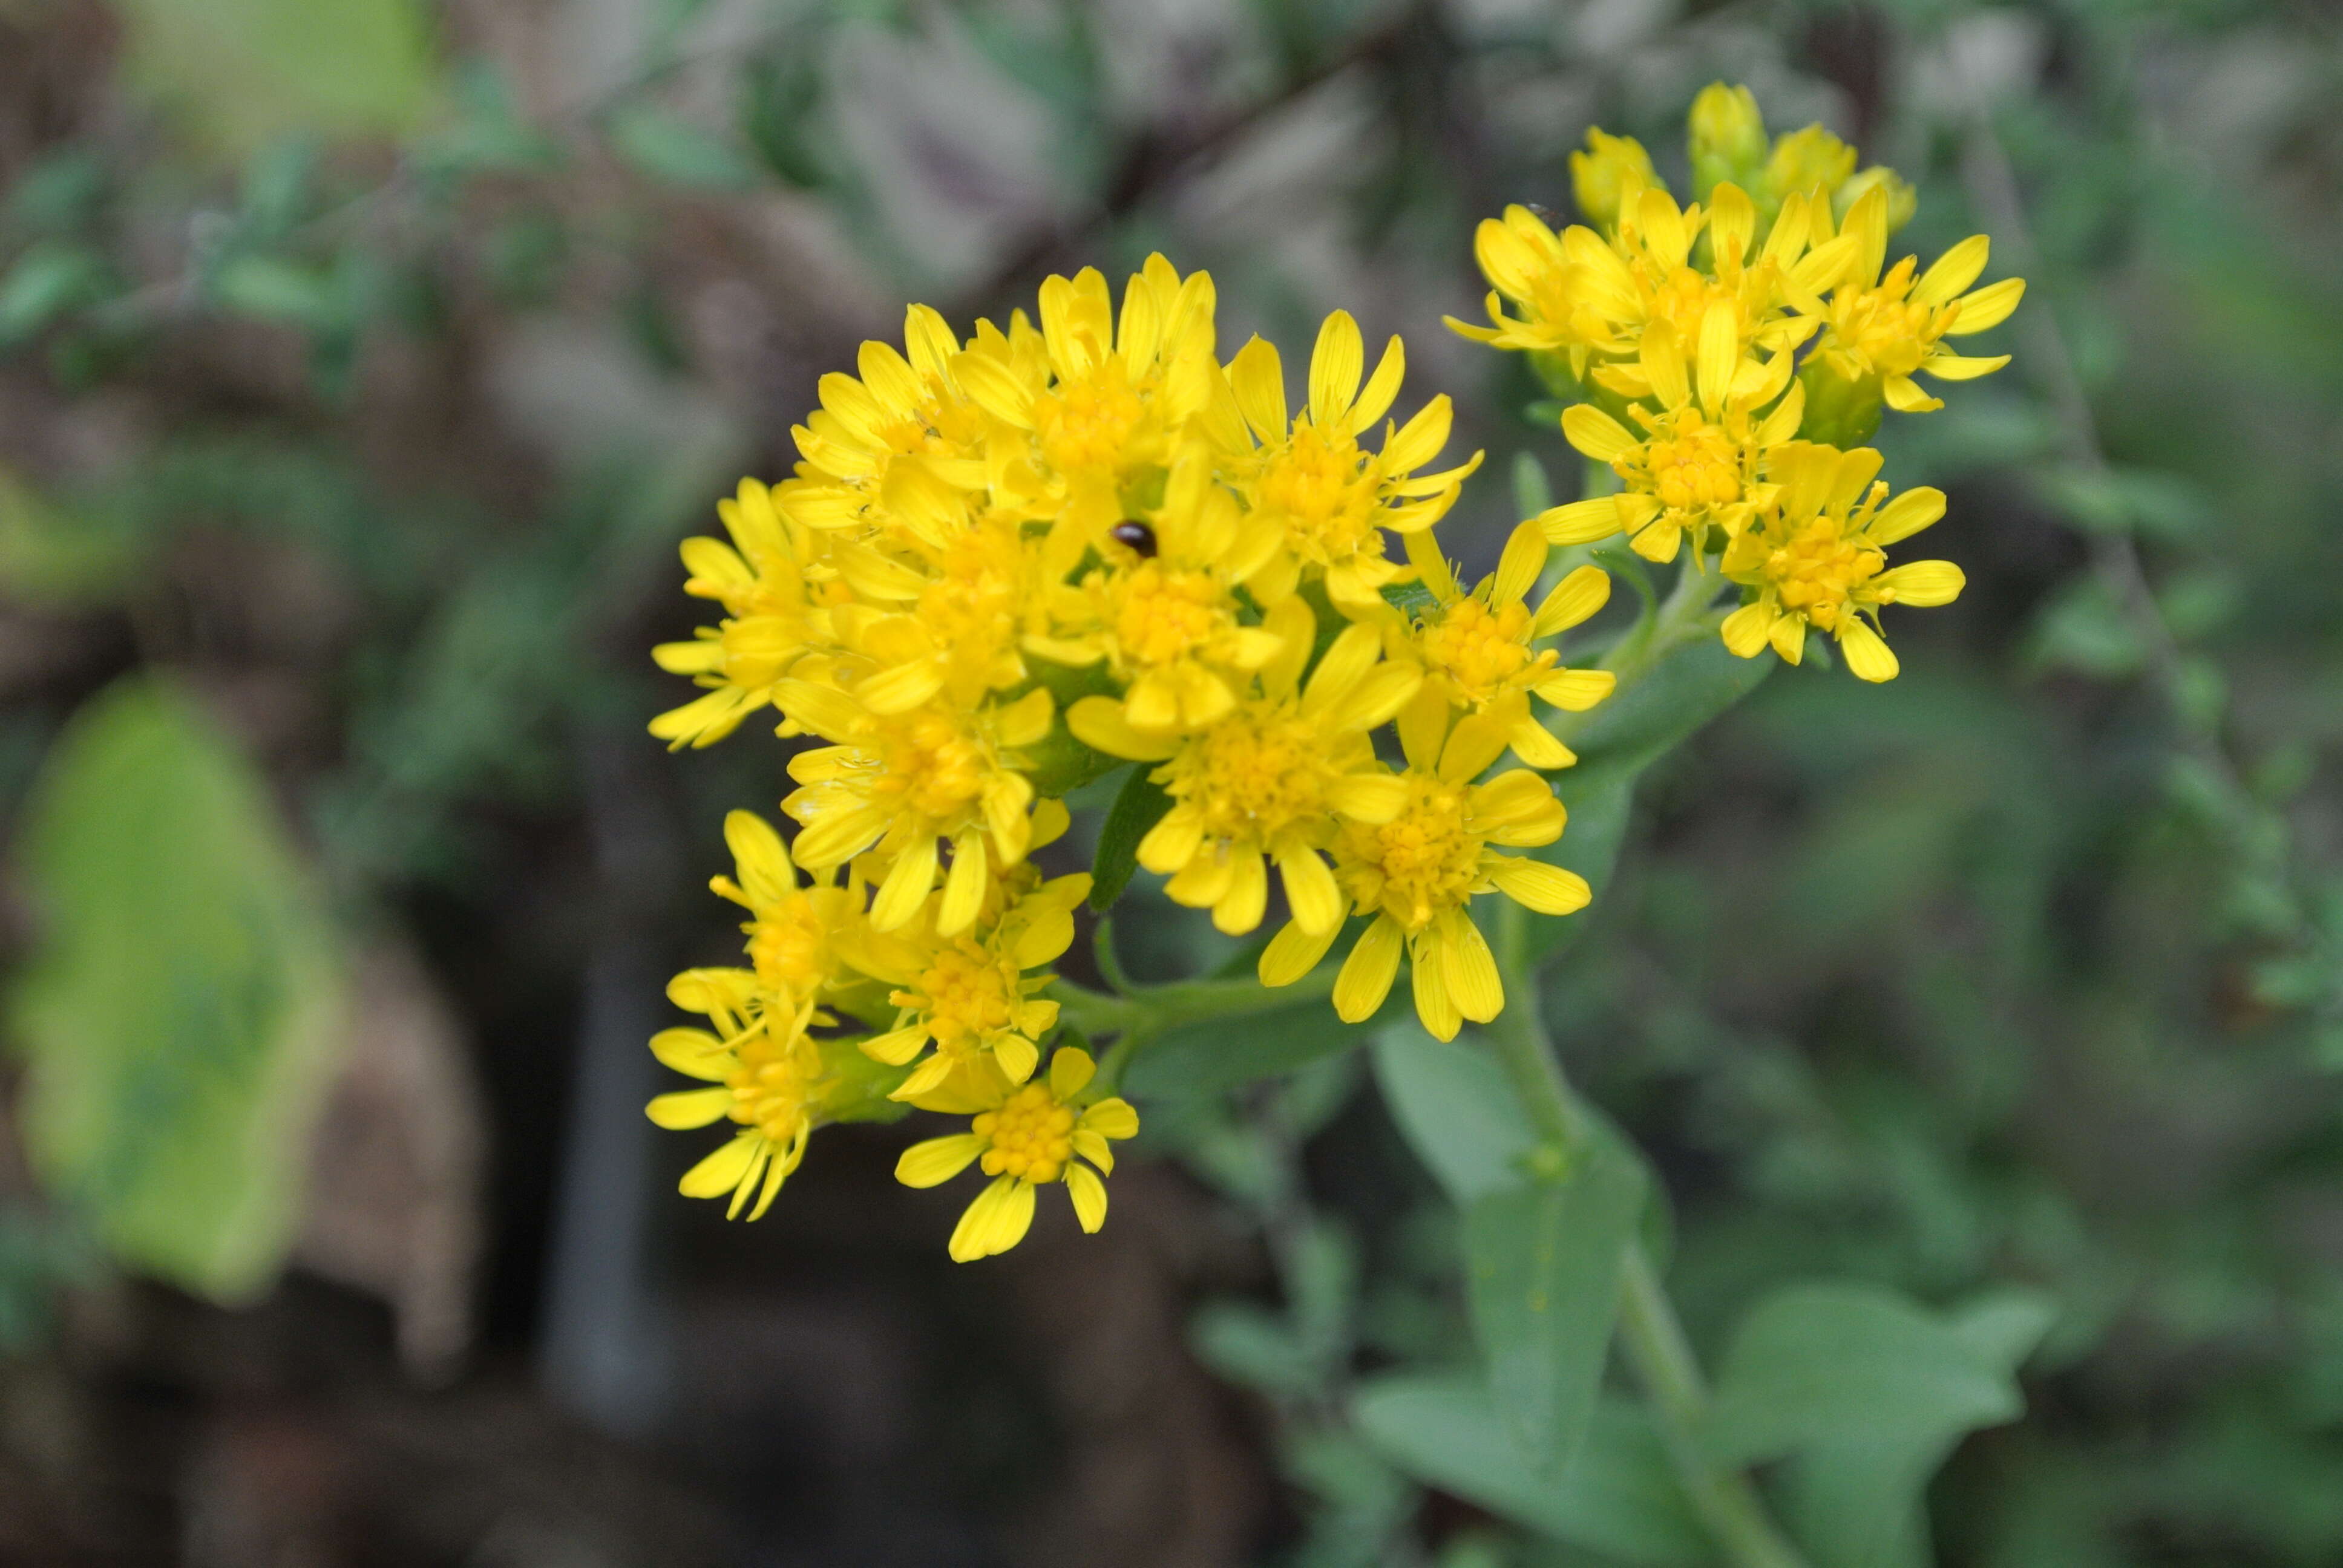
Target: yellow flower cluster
[
  {"x": 1010, "y": 563},
  {"x": 1726, "y": 360}
]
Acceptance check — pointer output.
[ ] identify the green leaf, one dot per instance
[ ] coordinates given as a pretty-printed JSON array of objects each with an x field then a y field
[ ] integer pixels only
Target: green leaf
[
  {"x": 1533, "y": 491},
  {"x": 1137, "y": 808},
  {"x": 1254, "y": 1348},
  {"x": 185, "y": 1010},
  {"x": 668, "y": 148},
  {"x": 49, "y": 280},
  {"x": 50, "y": 557},
  {"x": 246, "y": 73},
  {"x": 1542, "y": 1263},
  {"x": 1620, "y": 1498},
  {"x": 1868, "y": 1391},
  {"x": 274, "y": 289},
  {"x": 1686, "y": 691},
  {"x": 1457, "y": 1110}
]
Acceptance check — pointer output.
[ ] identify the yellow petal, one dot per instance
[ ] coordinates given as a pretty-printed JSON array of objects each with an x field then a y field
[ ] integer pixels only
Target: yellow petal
[
  {"x": 1953, "y": 272},
  {"x": 1436, "y": 1007},
  {"x": 1988, "y": 307},
  {"x": 1534, "y": 744},
  {"x": 1292, "y": 953},
  {"x": 1367, "y": 972},
  {"x": 1922, "y": 583},
  {"x": 1580, "y": 522},
  {"x": 688, "y": 1108},
  {"x": 1112, "y": 1118},
  {"x": 721, "y": 1171},
  {"x": 938, "y": 1160},
  {"x": 1574, "y": 598},
  {"x": 1310, "y": 891},
  {"x": 1100, "y": 724},
  {"x": 1907, "y": 514},
  {"x": 1744, "y": 629},
  {"x": 1533, "y": 884},
  {"x": 964, "y": 886},
  {"x": 1518, "y": 567},
  {"x": 1089, "y": 1194},
  {"x": 897, "y": 1046},
  {"x": 1469, "y": 968},
  {"x": 995, "y": 1222},
  {"x": 1595, "y": 434},
  {"x": 907, "y": 884},
  {"x": 1382, "y": 386},
  {"x": 1904, "y": 394},
  {"x": 1373, "y": 799},
  {"x": 1016, "y": 1057},
  {"x": 1576, "y": 691},
  {"x": 1070, "y": 1071},
  {"x": 693, "y": 1052},
  {"x": 1788, "y": 637},
  {"x": 1955, "y": 367},
  {"x": 1335, "y": 367},
  {"x": 1257, "y": 377},
  {"x": 1866, "y": 653}
]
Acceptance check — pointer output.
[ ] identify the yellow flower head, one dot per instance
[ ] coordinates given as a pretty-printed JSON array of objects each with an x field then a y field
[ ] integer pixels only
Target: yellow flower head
[
  {"x": 970, "y": 994},
  {"x": 1163, "y": 615},
  {"x": 1417, "y": 873},
  {"x": 1315, "y": 488},
  {"x": 907, "y": 781},
  {"x": 766, "y": 1074},
  {"x": 793, "y": 927},
  {"x": 774, "y": 615},
  {"x": 1025, "y": 1137},
  {"x": 1693, "y": 465},
  {"x": 1817, "y": 558},
  {"x": 1479, "y": 649},
  {"x": 1883, "y": 330},
  {"x": 1272, "y": 780}
]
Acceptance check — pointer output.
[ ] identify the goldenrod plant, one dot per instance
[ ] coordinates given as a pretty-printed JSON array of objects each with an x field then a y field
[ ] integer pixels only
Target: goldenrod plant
[{"x": 1019, "y": 557}]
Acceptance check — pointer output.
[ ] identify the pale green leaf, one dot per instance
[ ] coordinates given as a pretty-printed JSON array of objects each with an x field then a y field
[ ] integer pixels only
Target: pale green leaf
[
  {"x": 184, "y": 1007},
  {"x": 1620, "y": 1497},
  {"x": 1542, "y": 1263}
]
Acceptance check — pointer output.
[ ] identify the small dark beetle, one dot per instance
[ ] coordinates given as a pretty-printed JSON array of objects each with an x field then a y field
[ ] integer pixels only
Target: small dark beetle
[{"x": 1138, "y": 535}]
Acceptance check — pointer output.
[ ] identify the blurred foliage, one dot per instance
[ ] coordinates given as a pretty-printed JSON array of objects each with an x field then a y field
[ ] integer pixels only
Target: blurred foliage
[{"x": 384, "y": 360}]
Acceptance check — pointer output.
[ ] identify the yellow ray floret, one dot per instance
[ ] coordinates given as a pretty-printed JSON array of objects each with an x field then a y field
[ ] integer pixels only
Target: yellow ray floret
[
  {"x": 1818, "y": 559},
  {"x": 765, "y": 1073},
  {"x": 1417, "y": 874},
  {"x": 1025, "y": 1137}
]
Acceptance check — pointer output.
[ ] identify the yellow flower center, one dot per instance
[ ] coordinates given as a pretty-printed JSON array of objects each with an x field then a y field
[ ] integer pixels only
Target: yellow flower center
[
  {"x": 930, "y": 762},
  {"x": 1032, "y": 1136},
  {"x": 1483, "y": 650},
  {"x": 1253, "y": 775},
  {"x": 790, "y": 949},
  {"x": 971, "y": 607},
  {"x": 1693, "y": 464},
  {"x": 1088, "y": 424},
  {"x": 965, "y": 995},
  {"x": 1422, "y": 861},
  {"x": 1816, "y": 568},
  {"x": 1878, "y": 326},
  {"x": 775, "y": 1085},
  {"x": 1683, "y": 297},
  {"x": 1325, "y": 489},
  {"x": 1166, "y": 613}
]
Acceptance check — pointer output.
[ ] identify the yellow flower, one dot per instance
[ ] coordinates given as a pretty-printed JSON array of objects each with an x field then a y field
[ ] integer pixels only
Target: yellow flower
[
  {"x": 1272, "y": 778},
  {"x": 1593, "y": 300},
  {"x": 767, "y": 1075},
  {"x": 1478, "y": 650},
  {"x": 970, "y": 994},
  {"x": 942, "y": 618},
  {"x": 1418, "y": 873},
  {"x": 1696, "y": 466},
  {"x": 1817, "y": 558},
  {"x": 1882, "y": 331},
  {"x": 774, "y": 617},
  {"x": 793, "y": 928},
  {"x": 1117, "y": 397},
  {"x": 1023, "y": 1138},
  {"x": 1312, "y": 483},
  {"x": 1163, "y": 614},
  {"x": 906, "y": 781}
]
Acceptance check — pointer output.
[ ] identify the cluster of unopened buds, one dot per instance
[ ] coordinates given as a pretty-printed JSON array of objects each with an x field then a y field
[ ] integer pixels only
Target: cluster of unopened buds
[{"x": 1011, "y": 563}]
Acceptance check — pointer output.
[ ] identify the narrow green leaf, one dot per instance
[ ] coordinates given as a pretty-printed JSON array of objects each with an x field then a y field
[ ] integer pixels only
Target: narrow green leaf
[
  {"x": 1621, "y": 1498},
  {"x": 49, "y": 280},
  {"x": 1542, "y": 1263},
  {"x": 1137, "y": 808},
  {"x": 1254, "y": 1348},
  {"x": 186, "y": 1007}
]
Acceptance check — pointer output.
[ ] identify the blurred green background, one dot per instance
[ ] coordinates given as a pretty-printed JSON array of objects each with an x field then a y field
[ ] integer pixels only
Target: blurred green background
[{"x": 361, "y": 362}]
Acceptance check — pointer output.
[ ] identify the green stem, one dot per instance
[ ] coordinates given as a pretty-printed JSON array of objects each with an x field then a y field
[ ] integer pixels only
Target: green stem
[
  {"x": 1685, "y": 616},
  {"x": 1144, "y": 1014},
  {"x": 1727, "y": 1503}
]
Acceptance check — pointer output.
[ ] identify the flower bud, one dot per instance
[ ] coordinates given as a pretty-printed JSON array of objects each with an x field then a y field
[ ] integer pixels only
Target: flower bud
[
  {"x": 1727, "y": 139},
  {"x": 1603, "y": 176},
  {"x": 1902, "y": 199},
  {"x": 1803, "y": 161}
]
